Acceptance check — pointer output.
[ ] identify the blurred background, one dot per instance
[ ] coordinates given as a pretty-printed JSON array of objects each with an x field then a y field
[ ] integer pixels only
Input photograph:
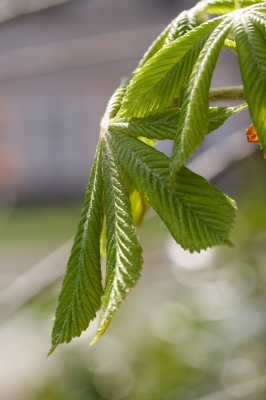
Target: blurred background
[{"x": 194, "y": 327}]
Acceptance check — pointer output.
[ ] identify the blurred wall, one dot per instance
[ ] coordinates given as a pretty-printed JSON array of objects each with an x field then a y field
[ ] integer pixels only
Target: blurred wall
[{"x": 58, "y": 68}]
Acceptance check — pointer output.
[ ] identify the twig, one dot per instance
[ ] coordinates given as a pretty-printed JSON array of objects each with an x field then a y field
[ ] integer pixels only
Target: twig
[{"x": 227, "y": 93}]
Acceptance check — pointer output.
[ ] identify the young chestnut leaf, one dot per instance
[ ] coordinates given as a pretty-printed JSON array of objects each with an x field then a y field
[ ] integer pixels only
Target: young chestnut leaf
[
  {"x": 220, "y": 7},
  {"x": 123, "y": 252},
  {"x": 164, "y": 125},
  {"x": 183, "y": 23},
  {"x": 194, "y": 116},
  {"x": 159, "y": 81},
  {"x": 80, "y": 297},
  {"x": 197, "y": 214},
  {"x": 128, "y": 173}
]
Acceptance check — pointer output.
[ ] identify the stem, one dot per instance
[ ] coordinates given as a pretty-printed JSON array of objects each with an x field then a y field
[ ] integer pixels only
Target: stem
[{"x": 227, "y": 93}]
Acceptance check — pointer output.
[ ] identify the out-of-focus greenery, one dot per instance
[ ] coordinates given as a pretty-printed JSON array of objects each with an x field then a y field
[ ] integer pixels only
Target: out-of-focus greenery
[
  {"x": 194, "y": 325},
  {"x": 46, "y": 223}
]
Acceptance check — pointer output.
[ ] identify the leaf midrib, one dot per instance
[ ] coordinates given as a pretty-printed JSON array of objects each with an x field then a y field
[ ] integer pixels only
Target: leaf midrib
[
  {"x": 116, "y": 270},
  {"x": 70, "y": 307}
]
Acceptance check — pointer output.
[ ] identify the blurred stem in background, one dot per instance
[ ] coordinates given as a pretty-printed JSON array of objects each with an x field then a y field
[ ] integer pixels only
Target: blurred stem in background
[{"x": 13, "y": 8}]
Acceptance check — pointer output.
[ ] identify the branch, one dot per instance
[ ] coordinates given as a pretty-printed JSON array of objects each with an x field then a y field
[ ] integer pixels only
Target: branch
[{"x": 227, "y": 93}]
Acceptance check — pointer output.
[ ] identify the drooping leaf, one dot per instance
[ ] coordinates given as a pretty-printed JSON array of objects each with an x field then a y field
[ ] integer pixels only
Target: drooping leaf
[
  {"x": 197, "y": 214},
  {"x": 164, "y": 125},
  {"x": 114, "y": 103},
  {"x": 218, "y": 115},
  {"x": 250, "y": 33},
  {"x": 80, "y": 297},
  {"x": 155, "y": 46},
  {"x": 123, "y": 252},
  {"x": 158, "y": 82},
  {"x": 160, "y": 126},
  {"x": 194, "y": 116},
  {"x": 184, "y": 22}
]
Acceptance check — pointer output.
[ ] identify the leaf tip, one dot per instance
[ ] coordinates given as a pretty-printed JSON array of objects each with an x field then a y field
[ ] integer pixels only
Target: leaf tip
[
  {"x": 102, "y": 328},
  {"x": 95, "y": 339},
  {"x": 233, "y": 204},
  {"x": 228, "y": 243},
  {"x": 51, "y": 350}
]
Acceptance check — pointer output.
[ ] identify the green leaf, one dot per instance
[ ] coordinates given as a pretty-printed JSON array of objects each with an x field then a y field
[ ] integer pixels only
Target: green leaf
[
  {"x": 159, "y": 81},
  {"x": 161, "y": 126},
  {"x": 197, "y": 214},
  {"x": 138, "y": 203},
  {"x": 218, "y": 115},
  {"x": 139, "y": 206},
  {"x": 250, "y": 34},
  {"x": 114, "y": 103},
  {"x": 261, "y": 6},
  {"x": 164, "y": 125},
  {"x": 194, "y": 116},
  {"x": 155, "y": 46},
  {"x": 123, "y": 252},
  {"x": 80, "y": 297},
  {"x": 230, "y": 44},
  {"x": 220, "y": 7},
  {"x": 184, "y": 22}
]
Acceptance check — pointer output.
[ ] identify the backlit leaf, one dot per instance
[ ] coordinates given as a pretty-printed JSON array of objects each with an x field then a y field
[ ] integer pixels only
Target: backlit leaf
[
  {"x": 218, "y": 115},
  {"x": 186, "y": 21},
  {"x": 159, "y": 81},
  {"x": 155, "y": 46},
  {"x": 164, "y": 125},
  {"x": 194, "y": 116},
  {"x": 220, "y": 7},
  {"x": 114, "y": 103},
  {"x": 197, "y": 214}
]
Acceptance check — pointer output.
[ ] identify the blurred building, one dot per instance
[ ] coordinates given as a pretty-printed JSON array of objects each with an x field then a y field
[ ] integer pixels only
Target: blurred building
[{"x": 58, "y": 67}]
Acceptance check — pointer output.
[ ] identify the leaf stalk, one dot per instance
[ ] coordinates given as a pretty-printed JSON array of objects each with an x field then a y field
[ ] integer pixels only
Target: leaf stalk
[{"x": 227, "y": 93}]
